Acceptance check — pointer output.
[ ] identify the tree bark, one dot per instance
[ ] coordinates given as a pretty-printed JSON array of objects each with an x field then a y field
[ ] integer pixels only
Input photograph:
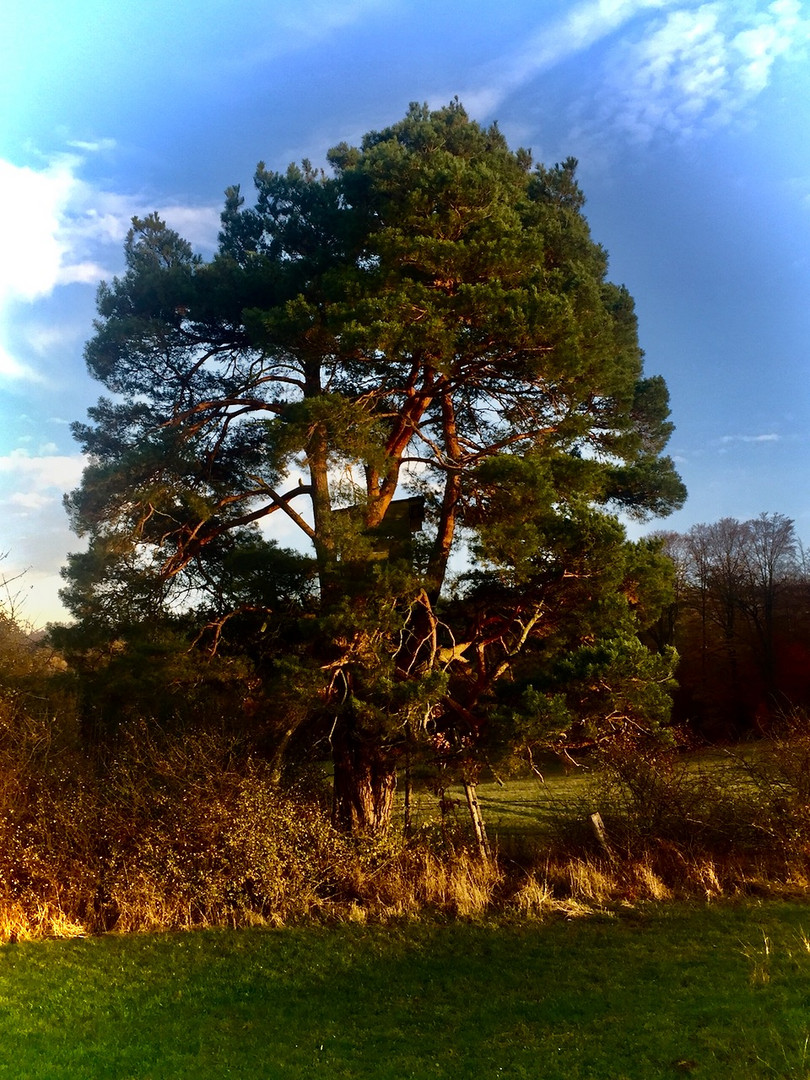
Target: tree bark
[
  {"x": 364, "y": 784},
  {"x": 443, "y": 544}
]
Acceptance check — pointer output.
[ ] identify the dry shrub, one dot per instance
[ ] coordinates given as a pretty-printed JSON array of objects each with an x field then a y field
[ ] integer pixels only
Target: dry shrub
[
  {"x": 657, "y": 798},
  {"x": 648, "y": 882},
  {"x": 569, "y": 888},
  {"x": 704, "y": 874},
  {"x": 18, "y": 923},
  {"x": 49, "y": 816},
  {"x": 459, "y": 884},
  {"x": 203, "y": 837},
  {"x": 388, "y": 878},
  {"x": 176, "y": 832},
  {"x": 171, "y": 833},
  {"x": 190, "y": 831},
  {"x": 588, "y": 880},
  {"x": 731, "y": 824},
  {"x": 778, "y": 772}
]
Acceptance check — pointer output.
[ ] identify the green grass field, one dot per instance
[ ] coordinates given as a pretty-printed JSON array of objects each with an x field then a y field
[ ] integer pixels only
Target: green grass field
[
  {"x": 654, "y": 991},
  {"x": 532, "y": 806},
  {"x": 526, "y": 803}
]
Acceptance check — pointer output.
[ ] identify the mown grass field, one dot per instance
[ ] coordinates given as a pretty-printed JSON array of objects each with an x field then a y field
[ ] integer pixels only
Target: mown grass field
[
  {"x": 531, "y": 805},
  {"x": 654, "y": 991},
  {"x": 523, "y": 803}
]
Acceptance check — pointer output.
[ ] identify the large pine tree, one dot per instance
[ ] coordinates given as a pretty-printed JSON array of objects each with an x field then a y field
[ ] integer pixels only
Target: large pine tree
[{"x": 416, "y": 353}]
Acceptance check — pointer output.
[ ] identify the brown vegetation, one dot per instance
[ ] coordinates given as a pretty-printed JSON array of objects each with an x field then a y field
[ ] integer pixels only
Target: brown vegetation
[{"x": 180, "y": 832}]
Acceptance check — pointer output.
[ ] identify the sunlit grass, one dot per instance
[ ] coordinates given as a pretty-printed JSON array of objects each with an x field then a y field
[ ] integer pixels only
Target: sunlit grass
[
  {"x": 528, "y": 803},
  {"x": 716, "y": 992},
  {"x": 532, "y": 805}
]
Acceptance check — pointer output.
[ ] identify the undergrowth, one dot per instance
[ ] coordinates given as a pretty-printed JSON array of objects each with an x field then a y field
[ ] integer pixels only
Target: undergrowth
[{"x": 182, "y": 832}]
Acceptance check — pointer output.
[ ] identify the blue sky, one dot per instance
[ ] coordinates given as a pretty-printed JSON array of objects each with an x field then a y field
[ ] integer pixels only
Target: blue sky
[{"x": 691, "y": 122}]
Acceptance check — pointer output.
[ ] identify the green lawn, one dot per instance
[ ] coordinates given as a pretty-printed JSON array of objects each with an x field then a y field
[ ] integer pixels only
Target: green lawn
[
  {"x": 659, "y": 991},
  {"x": 532, "y": 806},
  {"x": 524, "y": 804}
]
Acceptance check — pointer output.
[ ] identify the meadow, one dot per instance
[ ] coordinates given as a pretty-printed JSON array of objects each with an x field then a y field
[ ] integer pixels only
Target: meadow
[
  {"x": 681, "y": 948},
  {"x": 638, "y": 993}
]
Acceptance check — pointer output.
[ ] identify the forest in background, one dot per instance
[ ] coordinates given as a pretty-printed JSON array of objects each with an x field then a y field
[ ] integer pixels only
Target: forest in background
[{"x": 740, "y": 621}]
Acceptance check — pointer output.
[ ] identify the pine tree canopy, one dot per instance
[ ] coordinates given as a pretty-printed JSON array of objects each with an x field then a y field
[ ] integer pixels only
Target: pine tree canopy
[{"x": 430, "y": 321}]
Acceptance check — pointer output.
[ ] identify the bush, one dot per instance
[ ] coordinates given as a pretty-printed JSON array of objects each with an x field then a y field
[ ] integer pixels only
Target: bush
[
  {"x": 200, "y": 835},
  {"x": 174, "y": 833},
  {"x": 657, "y": 797}
]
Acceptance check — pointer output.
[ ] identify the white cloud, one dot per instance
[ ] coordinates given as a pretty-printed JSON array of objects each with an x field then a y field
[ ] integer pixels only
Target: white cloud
[
  {"x": 11, "y": 367},
  {"x": 695, "y": 68},
  {"x": 770, "y": 437},
  {"x": 32, "y": 205},
  {"x": 199, "y": 225},
  {"x": 43, "y": 472},
  {"x": 30, "y": 500},
  {"x": 58, "y": 229},
  {"x": 35, "y": 529}
]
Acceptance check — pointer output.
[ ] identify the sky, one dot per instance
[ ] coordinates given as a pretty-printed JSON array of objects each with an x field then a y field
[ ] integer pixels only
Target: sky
[{"x": 690, "y": 121}]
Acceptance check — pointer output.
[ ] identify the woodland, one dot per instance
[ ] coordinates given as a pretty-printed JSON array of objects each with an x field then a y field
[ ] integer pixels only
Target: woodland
[{"x": 354, "y": 526}]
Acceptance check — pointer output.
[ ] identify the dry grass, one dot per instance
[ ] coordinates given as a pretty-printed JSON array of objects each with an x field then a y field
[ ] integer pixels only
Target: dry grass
[
  {"x": 175, "y": 834},
  {"x": 45, "y": 921}
]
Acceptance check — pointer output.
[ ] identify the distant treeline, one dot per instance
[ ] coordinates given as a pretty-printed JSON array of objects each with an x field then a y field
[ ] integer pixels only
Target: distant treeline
[{"x": 740, "y": 622}]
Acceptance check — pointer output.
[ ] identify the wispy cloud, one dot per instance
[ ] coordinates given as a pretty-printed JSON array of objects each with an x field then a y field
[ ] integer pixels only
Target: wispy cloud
[
  {"x": 92, "y": 146},
  {"x": 317, "y": 18},
  {"x": 695, "y": 68},
  {"x": 770, "y": 437},
  {"x": 44, "y": 335},
  {"x": 11, "y": 367},
  {"x": 288, "y": 26},
  {"x": 581, "y": 28},
  {"x": 664, "y": 65}
]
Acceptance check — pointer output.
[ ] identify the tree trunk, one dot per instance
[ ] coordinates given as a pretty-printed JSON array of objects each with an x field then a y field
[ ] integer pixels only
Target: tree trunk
[{"x": 364, "y": 784}]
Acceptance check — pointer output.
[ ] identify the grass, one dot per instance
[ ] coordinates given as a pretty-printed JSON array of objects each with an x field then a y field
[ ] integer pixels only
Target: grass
[
  {"x": 654, "y": 991},
  {"x": 531, "y": 806},
  {"x": 525, "y": 804}
]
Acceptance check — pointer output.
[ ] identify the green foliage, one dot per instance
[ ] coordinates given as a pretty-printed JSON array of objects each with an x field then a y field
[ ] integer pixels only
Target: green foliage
[{"x": 431, "y": 318}]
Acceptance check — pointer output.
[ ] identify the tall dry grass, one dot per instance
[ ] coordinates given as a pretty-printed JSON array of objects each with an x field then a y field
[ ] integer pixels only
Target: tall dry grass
[
  {"x": 190, "y": 831},
  {"x": 180, "y": 832}
]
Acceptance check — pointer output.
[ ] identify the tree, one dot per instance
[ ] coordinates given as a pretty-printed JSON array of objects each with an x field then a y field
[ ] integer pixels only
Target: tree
[
  {"x": 770, "y": 568},
  {"x": 739, "y": 584},
  {"x": 430, "y": 321}
]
